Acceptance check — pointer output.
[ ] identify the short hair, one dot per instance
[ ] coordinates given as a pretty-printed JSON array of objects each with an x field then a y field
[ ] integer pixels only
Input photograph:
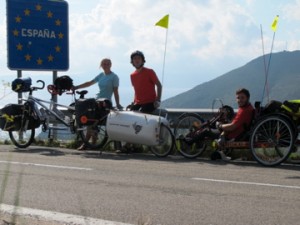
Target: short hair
[{"x": 243, "y": 91}]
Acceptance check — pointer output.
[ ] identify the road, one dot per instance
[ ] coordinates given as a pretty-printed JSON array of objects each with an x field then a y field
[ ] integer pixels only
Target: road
[{"x": 71, "y": 187}]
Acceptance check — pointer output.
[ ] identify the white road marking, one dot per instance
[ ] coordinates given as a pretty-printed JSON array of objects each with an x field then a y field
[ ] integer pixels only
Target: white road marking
[
  {"x": 46, "y": 165},
  {"x": 247, "y": 183},
  {"x": 55, "y": 216}
]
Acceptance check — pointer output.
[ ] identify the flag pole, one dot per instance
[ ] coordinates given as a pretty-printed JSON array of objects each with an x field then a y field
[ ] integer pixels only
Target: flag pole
[
  {"x": 267, "y": 68},
  {"x": 163, "y": 22},
  {"x": 163, "y": 69},
  {"x": 164, "y": 60}
]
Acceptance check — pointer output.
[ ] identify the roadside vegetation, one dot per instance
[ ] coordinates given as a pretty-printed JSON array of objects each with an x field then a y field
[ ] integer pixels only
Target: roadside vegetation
[{"x": 242, "y": 154}]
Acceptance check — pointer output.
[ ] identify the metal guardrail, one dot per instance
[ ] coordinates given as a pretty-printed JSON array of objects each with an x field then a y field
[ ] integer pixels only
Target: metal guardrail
[
  {"x": 172, "y": 116},
  {"x": 174, "y": 113},
  {"x": 206, "y": 114}
]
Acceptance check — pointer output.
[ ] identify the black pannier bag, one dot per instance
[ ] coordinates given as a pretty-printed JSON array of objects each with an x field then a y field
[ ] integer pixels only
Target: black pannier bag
[
  {"x": 10, "y": 117},
  {"x": 89, "y": 111},
  {"x": 272, "y": 107},
  {"x": 86, "y": 111},
  {"x": 21, "y": 84},
  {"x": 34, "y": 120},
  {"x": 63, "y": 83},
  {"x": 104, "y": 105}
]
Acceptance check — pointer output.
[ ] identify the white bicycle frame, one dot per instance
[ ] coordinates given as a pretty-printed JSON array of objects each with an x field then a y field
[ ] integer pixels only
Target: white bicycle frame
[{"x": 49, "y": 110}]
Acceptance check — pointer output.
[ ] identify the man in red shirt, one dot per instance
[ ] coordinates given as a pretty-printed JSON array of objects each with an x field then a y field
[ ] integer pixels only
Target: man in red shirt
[
  {"x": 242, "y": 119},
  {"x": 238, "y": 126},
  {"x": 147, "y": 87}
]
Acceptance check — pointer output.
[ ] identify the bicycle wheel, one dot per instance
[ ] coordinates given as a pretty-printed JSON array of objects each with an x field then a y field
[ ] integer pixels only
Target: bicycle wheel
[
  {"x": 93, "y": 136},
  {"x": 22, "y": 138},
  {"x": 188, "y": 124},
  {"x": 272, "y": 141},
  {"x": 166, "y": 144}
]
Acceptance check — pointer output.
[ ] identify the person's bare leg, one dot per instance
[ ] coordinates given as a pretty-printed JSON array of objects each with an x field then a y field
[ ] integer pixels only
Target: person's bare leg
[{"x": 87, "y": 137}]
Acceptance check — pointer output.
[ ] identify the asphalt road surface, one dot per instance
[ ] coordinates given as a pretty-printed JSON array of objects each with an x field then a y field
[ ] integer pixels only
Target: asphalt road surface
[{"x": 59, "y": 186}]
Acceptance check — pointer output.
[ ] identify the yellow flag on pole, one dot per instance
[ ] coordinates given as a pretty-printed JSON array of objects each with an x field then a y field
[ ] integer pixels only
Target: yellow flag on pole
[
  {"x": 274, "y": 24},
  {"x": 163, "y": 22}
]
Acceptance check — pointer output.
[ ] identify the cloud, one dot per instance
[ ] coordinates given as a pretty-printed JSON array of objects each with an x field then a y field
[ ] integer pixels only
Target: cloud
[
  {"x": 203, "y": 29},
  {"x": 291, "y": 11},
  {"x": 230, "y": 31},
  {"x": 205, "y": 38}
]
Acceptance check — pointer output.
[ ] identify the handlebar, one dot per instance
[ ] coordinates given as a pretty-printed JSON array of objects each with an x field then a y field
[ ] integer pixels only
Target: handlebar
[
  {"x": 38, "y": 88},
  {"x": 43, "y": 84},
  {"x": 224, "y": 111}
]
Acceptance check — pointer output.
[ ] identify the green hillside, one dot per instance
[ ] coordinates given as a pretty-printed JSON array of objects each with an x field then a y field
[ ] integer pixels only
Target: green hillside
[{"x": 284, "y": 80}]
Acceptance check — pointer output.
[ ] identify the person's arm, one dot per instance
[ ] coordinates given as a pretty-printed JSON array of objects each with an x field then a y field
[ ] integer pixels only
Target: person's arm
[
  {"x": 228, "y": 127},
  {"x": 84, "y": 85},
  {"x": 239, "y": 120},
  {"x": 158, "y": 90},
  {"x": 117, "y": 97}
]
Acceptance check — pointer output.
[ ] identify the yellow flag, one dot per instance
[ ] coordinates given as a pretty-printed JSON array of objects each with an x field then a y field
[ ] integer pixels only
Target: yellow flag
[
  {"x": 163, "y": 22},
  {"x": 274, "y": 24}
]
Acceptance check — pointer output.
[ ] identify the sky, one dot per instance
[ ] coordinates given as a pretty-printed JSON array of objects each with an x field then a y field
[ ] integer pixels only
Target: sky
[{"x": 205, "y": 39}]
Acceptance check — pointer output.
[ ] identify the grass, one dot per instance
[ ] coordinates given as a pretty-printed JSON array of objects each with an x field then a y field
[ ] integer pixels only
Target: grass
[{"x": 295, "y": 156}]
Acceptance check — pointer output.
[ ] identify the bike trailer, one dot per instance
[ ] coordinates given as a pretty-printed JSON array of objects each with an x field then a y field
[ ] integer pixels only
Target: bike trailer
[
  {"x": 21, "y": 84},
  {"x": 134, "y": 127},
  {"x": 10, "y": 117},
  {"x": 90, "y": 111}
]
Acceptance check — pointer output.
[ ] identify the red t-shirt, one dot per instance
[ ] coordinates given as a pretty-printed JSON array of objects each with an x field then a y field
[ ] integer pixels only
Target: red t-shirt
[
  {"x": 242, "y": 118},
  {"x": 143, "y": 83}
]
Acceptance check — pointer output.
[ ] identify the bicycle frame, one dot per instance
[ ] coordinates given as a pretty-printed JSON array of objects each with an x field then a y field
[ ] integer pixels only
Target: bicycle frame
[{"x": 52, "y": 105}]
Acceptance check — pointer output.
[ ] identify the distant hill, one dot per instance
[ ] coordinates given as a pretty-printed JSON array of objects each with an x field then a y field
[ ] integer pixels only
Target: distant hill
[{"x": 284, "y": 80}]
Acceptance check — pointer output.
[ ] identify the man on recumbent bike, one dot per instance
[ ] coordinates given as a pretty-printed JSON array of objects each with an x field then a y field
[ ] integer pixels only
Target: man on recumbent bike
[{"x": 228, "y": 130}]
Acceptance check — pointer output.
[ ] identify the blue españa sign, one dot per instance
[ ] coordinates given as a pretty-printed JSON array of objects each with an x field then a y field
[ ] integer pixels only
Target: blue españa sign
[{"x": 38, "y": 35}]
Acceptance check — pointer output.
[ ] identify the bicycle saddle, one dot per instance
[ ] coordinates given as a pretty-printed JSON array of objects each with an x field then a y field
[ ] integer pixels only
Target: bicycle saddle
[{"x": 84, "y": 92}]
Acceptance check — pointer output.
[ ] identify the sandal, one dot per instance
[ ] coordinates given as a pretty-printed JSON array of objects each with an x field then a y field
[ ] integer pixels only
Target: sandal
[{"x": 82, "y": 148}]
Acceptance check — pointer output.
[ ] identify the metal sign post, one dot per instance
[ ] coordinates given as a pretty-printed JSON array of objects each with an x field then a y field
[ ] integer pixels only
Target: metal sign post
[{"x": 20, "y": 93}]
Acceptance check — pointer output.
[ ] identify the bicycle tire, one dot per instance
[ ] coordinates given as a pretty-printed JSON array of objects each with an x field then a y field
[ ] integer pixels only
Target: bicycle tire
[
  {"x": 167, "y": 142},
  {"x": 100, "y": 135},
  {"x": 186, "y": 125},
  {"x": 22, "y": 138},
  {"x": 272, "y": 140}
]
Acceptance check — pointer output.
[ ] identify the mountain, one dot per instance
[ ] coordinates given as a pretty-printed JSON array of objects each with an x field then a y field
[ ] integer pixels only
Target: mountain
[{"x": 283, "y": 83}]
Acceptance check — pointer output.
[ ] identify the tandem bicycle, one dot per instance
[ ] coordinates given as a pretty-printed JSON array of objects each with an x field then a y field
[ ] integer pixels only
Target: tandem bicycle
[{"x": 22, "y": 120}]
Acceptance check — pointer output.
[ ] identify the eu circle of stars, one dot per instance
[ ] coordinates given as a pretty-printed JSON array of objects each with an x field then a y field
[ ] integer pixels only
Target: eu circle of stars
[{"x": 37, "y": 33}]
